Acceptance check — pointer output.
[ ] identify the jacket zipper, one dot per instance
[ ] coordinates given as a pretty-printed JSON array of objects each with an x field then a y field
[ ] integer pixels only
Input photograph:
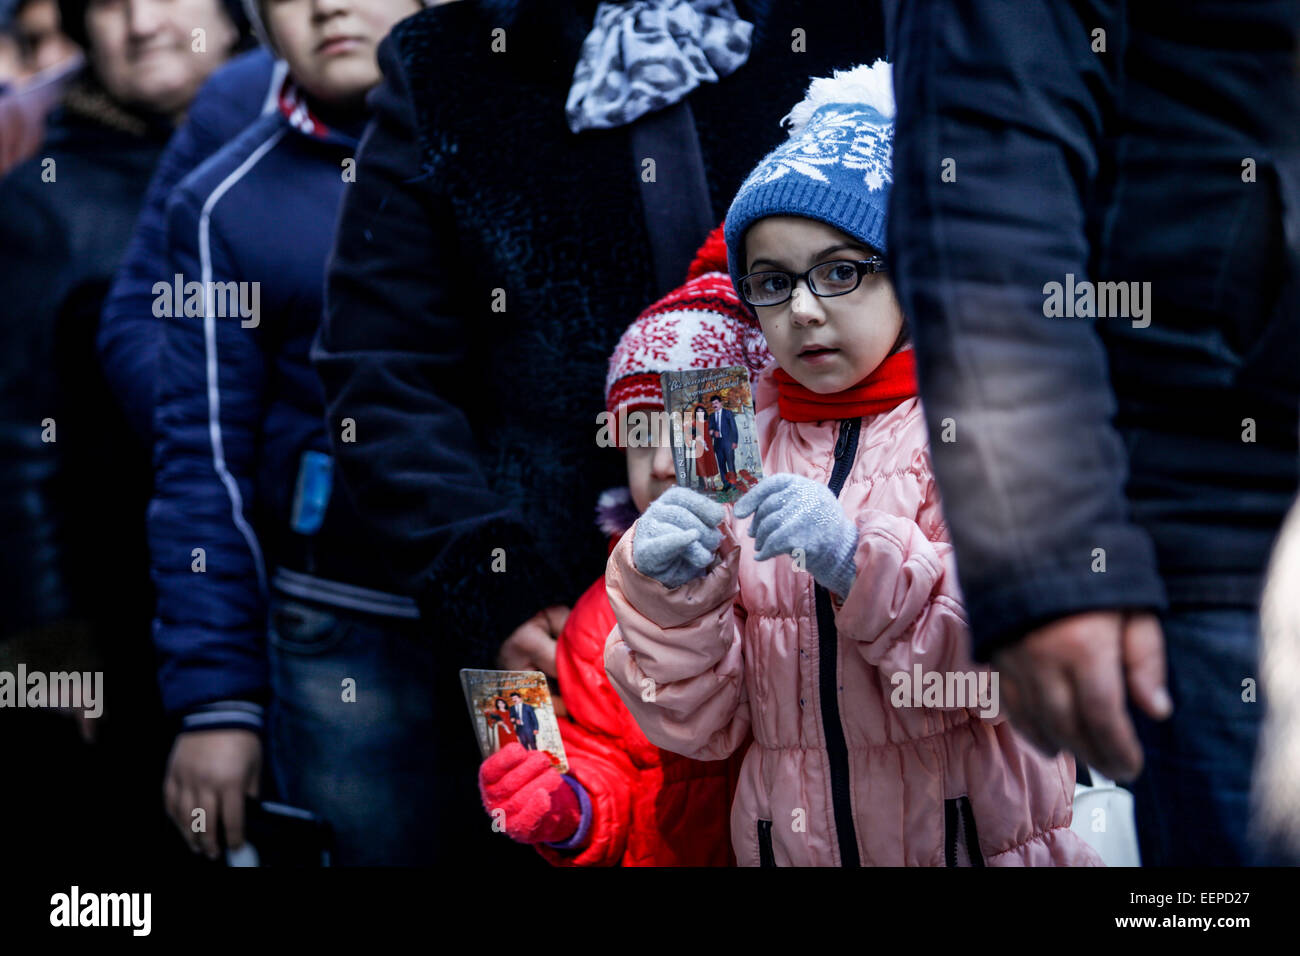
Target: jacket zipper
[
  {"x": 960, "y": 834},
  {"x": 837, "y": 750},
  {"x": 766, "y": 856}
]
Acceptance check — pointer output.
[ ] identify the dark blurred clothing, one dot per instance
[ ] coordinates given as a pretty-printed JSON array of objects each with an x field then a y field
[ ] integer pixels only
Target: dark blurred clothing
[
  {"x": 65, "y": 218},
  {"x": 1126, "y": 165},
  {"x": 1192, "y": 801},
  {"x": 73, "y": 562},
  {"x": 1127, "y": 461}
]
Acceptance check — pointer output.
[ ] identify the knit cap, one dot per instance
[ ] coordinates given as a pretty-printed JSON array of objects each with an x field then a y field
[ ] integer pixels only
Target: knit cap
[
  {"x": 836, "y": 167},
  {"x": 701, "y": 324}
]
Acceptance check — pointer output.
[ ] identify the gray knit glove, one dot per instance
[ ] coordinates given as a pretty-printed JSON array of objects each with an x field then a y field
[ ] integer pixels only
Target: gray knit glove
[
  {"x": 791, "y": 511},
  {"x": 676, "y": 537}
]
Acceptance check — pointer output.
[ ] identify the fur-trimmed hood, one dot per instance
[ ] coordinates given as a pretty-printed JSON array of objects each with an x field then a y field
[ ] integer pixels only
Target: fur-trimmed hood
[{"x": 615, "y": 511}]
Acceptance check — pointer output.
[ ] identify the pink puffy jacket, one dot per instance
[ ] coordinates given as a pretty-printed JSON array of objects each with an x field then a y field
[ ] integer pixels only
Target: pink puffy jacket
[{"x": 837, "y": 774}]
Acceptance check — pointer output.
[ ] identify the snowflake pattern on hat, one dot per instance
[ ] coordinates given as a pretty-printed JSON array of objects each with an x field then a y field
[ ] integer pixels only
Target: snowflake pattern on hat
[
  {"x": 702, "y": 324},
  {"x": 836, "y": 167},
  {"x": 847, "y": 136}
]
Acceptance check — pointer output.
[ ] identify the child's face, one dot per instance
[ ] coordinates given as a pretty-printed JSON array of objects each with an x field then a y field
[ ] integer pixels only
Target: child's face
[
  {"x": 826, "y": 344},
  {"x": 331, "y": 45},
  {"x": 650, "y": 472}
]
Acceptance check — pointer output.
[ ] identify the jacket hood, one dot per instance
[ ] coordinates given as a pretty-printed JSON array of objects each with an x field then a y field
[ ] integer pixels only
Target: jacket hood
[{"x": 615, "y": 511}]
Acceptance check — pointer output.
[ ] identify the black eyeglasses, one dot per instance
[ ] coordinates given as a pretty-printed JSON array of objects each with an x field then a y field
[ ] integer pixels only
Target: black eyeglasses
[{"x": 826, "y": 279}]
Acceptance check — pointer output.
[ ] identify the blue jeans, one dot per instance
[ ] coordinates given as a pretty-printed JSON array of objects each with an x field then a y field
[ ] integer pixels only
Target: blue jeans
[
  {"x": 1192, "y": 800},
  {"x": 368, "y": 765}
]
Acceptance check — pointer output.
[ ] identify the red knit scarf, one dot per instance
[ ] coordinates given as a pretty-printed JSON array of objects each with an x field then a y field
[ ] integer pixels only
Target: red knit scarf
[{"x": 892, "y": 382}]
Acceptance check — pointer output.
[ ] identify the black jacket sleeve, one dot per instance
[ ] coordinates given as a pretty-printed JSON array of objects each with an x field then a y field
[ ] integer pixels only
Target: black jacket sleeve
[
  {"x": 1012, "y": 103},
  {"x": 394, "y": 353}
]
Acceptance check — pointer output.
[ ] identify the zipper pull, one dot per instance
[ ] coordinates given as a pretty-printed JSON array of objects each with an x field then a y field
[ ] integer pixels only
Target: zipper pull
[{"x": 842, "y": 442}]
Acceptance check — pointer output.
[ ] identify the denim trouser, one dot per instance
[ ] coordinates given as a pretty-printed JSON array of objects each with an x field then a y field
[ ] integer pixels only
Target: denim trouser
[
  {"x": 1192, "y": 800},
  {"x": 367, "y": 766}
]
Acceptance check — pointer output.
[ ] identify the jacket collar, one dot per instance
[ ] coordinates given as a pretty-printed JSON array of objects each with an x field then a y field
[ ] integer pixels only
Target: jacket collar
[
  {"x": 308, "y": 120},
  {"x": 84, "y": 100}
]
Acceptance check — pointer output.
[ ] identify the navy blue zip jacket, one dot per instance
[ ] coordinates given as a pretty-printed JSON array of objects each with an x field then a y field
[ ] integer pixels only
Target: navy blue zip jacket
[
  {"x": 475, "y": 461},
  {"x": 1131, "y": 460},
  {"x": 129, "y": 333},
  {"x": 238, "y": 404}
]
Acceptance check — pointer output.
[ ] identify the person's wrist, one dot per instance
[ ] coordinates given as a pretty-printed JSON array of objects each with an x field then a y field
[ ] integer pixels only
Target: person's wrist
[
  {"x": 578, "y": 840},
  {"x": 229, "y": 714}
]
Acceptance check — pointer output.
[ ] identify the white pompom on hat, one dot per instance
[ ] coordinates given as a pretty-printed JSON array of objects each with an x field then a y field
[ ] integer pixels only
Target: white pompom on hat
[{"x": 836, "y": 167}]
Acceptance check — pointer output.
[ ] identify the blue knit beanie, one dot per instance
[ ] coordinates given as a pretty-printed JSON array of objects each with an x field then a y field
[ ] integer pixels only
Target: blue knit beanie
[{"x": 836, "y": 167}]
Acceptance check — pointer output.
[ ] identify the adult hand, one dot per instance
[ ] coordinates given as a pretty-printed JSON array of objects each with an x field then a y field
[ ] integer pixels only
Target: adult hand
[
  {"x": 1064, "y": 686},
  {"x": 532, "y": 648},
  {"x": 532, "y": 645},
  {"x": 214, "y": 770},
  {"x": 87, "y": 727}
]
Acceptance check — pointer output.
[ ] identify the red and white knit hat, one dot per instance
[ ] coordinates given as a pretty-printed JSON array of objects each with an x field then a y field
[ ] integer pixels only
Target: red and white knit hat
[{"x": 702, "y": 324}]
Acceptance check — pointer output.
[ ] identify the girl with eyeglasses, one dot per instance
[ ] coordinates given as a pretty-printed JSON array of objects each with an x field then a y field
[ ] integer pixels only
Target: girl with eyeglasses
[{"x": 822, "y": 615}]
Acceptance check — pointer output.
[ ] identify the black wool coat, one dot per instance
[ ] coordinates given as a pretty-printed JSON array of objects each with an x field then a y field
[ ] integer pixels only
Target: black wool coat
[
  {"x": 1110, "y": 460},
  {"x": 474, "y": 444}
]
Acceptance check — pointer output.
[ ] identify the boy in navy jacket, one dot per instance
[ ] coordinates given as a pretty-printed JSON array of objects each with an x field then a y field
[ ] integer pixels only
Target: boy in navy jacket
[{"x": 244, "y": 521}]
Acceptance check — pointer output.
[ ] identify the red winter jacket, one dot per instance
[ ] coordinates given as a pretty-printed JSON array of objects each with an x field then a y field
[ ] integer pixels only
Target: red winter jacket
[{"x": 650, "y": 807}]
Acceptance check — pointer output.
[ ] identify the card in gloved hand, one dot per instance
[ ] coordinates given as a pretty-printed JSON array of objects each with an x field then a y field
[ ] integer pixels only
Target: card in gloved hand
[
  {"x": 715, "y": 442},
  {"x": 513, "y": 706}
]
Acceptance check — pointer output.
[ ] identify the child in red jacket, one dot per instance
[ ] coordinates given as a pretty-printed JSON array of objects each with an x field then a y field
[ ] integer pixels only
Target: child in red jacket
[{"x": 625, "y": 801}]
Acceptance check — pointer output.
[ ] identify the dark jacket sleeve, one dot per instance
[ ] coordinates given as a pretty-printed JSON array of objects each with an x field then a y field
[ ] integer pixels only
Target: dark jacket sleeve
[
  {"x": 1031, "y": 471},
  {"x": 210, "y": 626},
  {"x": 394, "y": 354},
  {"x": 129, "y": 333}
]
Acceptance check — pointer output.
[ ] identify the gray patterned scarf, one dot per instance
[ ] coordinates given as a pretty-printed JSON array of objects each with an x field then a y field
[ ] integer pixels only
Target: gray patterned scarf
[{"x": 643, "y": 55}]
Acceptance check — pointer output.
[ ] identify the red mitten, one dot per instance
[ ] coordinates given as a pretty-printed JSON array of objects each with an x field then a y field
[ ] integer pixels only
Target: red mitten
[{"x": 539, "y": 805}]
